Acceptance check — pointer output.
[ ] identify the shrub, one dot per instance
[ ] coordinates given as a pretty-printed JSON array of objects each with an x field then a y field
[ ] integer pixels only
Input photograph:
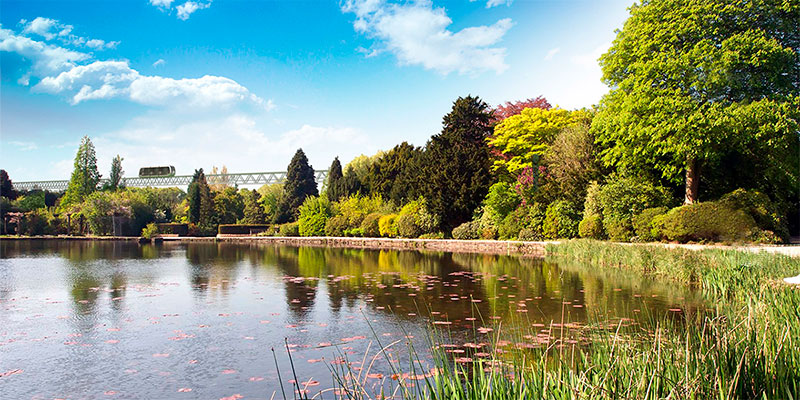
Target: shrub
[
  {"x": 759, "y": 206},
  {"x": 314, "y": 214},
  {"x": 529, "y": 234},
  {"x": 708, "y": 221},
  {"x": 523, "y": 217},
  {"x": 289, "y": 229},
  {"x": 624, "y": 197},
  {"x": 467, "y": 231},
  {"x": 370, "y": 225},
  {"x": 31, "y": 201},
  {"x": 355, "y": 208},
  {"x": 591, "y": 226},
  {"x": 150, "y": 231},
  {"x": 36, "y": 222},
  {"x": 501, "y": 200},
  {"x": 355, "y": 232},
  {"x": 407, "y": 226},
  {"x": 436, "y": 235},
  {"x": 487, "y": 227},
  {"x": 561, "y": 220},
  {"x": 386, "y": 225},
  {"x": 643, "y": 224},
  {"x": 336, "y": 225}
]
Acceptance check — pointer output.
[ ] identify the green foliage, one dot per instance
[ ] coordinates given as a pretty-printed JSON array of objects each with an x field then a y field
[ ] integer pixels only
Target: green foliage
[
  {"x": 270, "y": 197},
  {"x": 469, "y": 230},
  {"x": 359, "y": 168},
  {"x": 455, "y": 168},
  {"x": 524, "y": 217},
  {"x": 289, "y": 229},
  {"x": 253, "y": 211},
  {"x": 759, "y": 206},
  {"x": 150, "y": 231},
  {"x": 38, "y": 222},
  {"x": 354, "y": 232},
  {"x": 487, "y": 225},
  {"x": 336, "y": 225},
  {"x": 299, "y": 184},
  {"x": 6, "y": 186},
  {"x": 85, "y": 176},
  {"x": 523, "y": 138},
  {"x": 370, "y": 225},
  {"x": 591, "y": 226},
  {"x": 643, "y": 224},
  {"x": 228, "y": 206},
  {"x": 501, "y": 200},
  {"x": 355, "y": 207},
  {"x": 31, "y": 201},
  {"x": 421, "y": 219},
  {"x": 335, "y": 188},
  {"x": 407, "y": 226},
  {"x": 395, "y": 175},
  {"x": 435, "y": 235},
  {"x": 314, "y": 214},
  {"x": 115, "y": 177},
  {"x": 693, "y": 79},
  {"x": 707, "y": 221},
  {"x": 198, "y": 195},
  {"x": 621, "y": 198},
  {"x": 572, "y": 163},
  {"x": 561, "y": 220},
  {"x": 386, "y": 225}
]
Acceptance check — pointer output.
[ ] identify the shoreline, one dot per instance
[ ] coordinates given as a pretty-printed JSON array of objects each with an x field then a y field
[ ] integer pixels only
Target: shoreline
[{"x": 501, "y": 247}]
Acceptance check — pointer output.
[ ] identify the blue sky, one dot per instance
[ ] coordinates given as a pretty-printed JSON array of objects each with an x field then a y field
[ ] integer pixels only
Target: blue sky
[{"x": 245, "y": 83}]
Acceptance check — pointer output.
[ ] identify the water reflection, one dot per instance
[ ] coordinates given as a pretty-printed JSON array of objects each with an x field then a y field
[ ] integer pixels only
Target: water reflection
[{"x": 143, "y": 321}]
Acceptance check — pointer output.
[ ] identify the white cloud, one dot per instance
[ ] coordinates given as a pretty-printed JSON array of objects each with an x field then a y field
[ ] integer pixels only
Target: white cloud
[
  {"x": 161, "y": 3},
  {"x": 112, "y": 79},
  {"x": 416, "y": 33},
  {"x": 186, "y": 9},
  {"x": 159, "y": 63},
  {"x": 24, "y": 146},
  {"x": 495, "y": 3},
  {"x": 46, "y": 58},
  {"x": 552, "y": 53},
  {"x": 50, "y": 28}
]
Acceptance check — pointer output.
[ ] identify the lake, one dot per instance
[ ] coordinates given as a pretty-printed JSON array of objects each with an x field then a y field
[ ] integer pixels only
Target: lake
[{"x": 118, "y": 320}]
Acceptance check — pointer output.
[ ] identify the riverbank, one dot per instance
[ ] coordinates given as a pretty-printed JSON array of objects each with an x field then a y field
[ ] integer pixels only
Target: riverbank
[{"x": 524, "y": 248}]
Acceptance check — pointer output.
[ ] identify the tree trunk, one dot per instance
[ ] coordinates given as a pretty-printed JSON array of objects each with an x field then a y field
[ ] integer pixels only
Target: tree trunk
[{"x": 692, "y": 181}]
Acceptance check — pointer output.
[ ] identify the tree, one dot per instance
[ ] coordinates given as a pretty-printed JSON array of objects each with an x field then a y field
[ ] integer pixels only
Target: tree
[
  {"x": 509, "y": 109},
  {"x": 299, "y": 184},
  {"x": 691, "y": 78},
  {"x": 219, "y": 179},
  {"x": 6, "y": 186},
  {"x": 199, "y": 198},
  {"x": 253, "y": 211},
  {"x": 335, "y": 188},
  {"x": 85, "y": 176},
  {"x": 456, "y": 165},
  {"x": 520, "y": 140},
  {"x": 228, "y": 206},
  {"x": 388, "y": 176},
  {"x": 115, "y": 177},
  {"x": 572, "y": 162}
]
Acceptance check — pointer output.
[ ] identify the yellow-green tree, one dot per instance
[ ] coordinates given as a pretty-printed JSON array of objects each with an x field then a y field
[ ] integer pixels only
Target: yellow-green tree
[{"x": 520, "y": 140}]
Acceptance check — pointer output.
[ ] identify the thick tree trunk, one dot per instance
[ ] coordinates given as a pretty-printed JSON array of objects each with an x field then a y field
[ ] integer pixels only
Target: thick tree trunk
[{"x": 692, "y": 181}]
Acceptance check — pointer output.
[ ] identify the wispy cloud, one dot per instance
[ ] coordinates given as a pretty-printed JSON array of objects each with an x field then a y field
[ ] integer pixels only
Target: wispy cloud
[
  {"x": 552, "y": 53},
  {"x": 417, "y": 34},
  {"x": 182, "y": 11},
  {"x": 159, "y": 63},
  {"x": 51, "y": 29}
]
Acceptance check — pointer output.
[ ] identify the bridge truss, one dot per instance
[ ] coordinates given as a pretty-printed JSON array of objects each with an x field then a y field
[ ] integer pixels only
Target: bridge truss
[{"x": 245, "y": 178}]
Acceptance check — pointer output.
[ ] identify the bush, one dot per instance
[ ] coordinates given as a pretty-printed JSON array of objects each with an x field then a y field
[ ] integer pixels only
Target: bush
[
  {"x": 643, "y": 224},
  {"x": 469, "y": 230},
  {"x": 289, "y": 229},
  {"x": 370, "y": 225},
  {"x": 561, "y": 220},
  {"x": 37, "y": 222},
  {"x": 355, "y": 232},
  {"x": 314, "y": 214},
  {"x": 407, "y": 226},
  {"x": 487, "y": 227},
  {"x": 437, "y": 235},
  {"x": 523, "y": 217},
  {"x": 150, "y": 231},
  {"x": 386, "y": 225},
  {"x": 336, "y": 225},
  {"x": 759, "y": 206},
  {"x": 529, "y": 234},
  {"x": 355, "y": 208},
  {"x": 501, "y": 200},
  {"x": 591, "y": 226},
  {"x": 708, "y": 221},
  {"x": 624, "y": 197}
]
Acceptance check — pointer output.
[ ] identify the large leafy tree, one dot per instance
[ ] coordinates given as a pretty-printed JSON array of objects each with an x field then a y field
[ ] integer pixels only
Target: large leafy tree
[
  {"x": 520, "y": 140},
  {"x": 691, "y": 78},
  {"x": 509, "y": 108},
  {"x": 389, "y": 175},
  {"x": 456, "y": 165},
  {"x": 85, "y": 175},
  {"x": 299, "y": 184},
  {"x": 335, "y": 186},
  {"x": 253, "y": 211}
]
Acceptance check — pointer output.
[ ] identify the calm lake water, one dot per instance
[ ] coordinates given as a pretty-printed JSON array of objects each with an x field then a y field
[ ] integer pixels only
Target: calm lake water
[{"x": 108, "y": 320}]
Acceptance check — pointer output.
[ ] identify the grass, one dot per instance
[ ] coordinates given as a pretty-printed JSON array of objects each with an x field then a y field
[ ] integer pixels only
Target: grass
[{"x": 746, "y": 346}]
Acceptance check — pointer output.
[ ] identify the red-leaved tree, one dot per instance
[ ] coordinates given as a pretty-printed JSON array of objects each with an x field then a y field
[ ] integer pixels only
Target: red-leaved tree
[{"x": 508, "y": 109}]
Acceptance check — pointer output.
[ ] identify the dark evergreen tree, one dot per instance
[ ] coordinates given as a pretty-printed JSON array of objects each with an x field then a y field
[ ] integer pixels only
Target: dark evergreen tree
[
  {"x": 351, "y": 184},
  {"x": 394, "y": 176},
  {"x": 335, "y": 189},
  {"x": 253, "y": 211},
  {"x": 299, "y": 184},
  {"x": 194, "y": 196},
  {"x": 456, "y": 167},
  {"x": 6, "y": 186},
  {"x": 85, "y": 176}
]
